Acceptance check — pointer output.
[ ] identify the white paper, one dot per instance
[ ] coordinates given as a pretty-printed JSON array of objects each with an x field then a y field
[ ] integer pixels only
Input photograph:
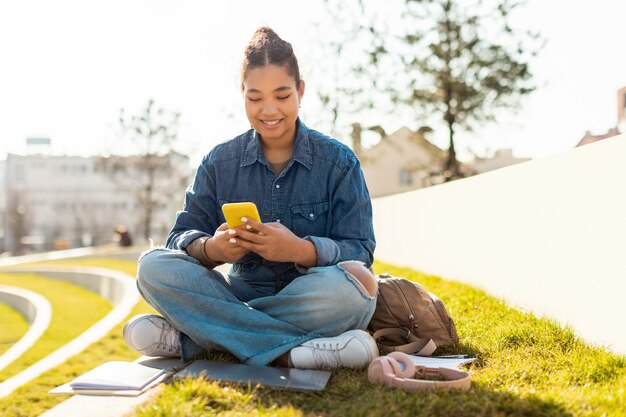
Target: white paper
[{"x": 435, "y": 362}]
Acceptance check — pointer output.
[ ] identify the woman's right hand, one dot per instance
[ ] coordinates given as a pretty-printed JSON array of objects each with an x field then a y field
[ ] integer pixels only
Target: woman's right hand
[{"x": 219, "y": 247}]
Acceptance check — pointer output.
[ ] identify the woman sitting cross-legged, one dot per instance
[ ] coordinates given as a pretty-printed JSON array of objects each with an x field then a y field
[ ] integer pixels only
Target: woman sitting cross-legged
[{"x": 299, "y": 292}]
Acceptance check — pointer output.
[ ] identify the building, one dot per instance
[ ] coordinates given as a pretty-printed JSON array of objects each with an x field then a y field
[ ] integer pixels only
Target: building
[
  {"x": 500, "y": 159},
  {"x": 56, "y": 202},
  {"x": 3, "y": 205},
  {"x": 590, "y": 138},
  {"x": 400, "y": 162},
  {"x": 621, "y": 109},
  {"x": 406, "y": 160},
  {"x": 620, "y": 126}
]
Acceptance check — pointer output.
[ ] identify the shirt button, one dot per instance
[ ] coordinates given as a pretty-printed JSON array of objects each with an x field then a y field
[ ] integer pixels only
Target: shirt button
[
  {"x": 277, "y": 220},
  {"x": 277, "y": 185},
  {"x": 311, "y": 215}
]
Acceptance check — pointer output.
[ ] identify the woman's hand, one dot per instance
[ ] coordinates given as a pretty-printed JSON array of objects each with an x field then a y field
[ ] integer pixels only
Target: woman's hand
[
  {"x": 274, "y": 242},
  {"x": 219, "y": 248}
]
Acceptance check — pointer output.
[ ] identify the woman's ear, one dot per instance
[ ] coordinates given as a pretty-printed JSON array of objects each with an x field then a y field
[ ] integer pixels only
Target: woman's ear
[{"x": 301, "y": 89}]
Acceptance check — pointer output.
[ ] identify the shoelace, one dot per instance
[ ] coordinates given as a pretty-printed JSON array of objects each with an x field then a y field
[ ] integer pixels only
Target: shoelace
[
  {"x": 168, "y": 339},
  {"x": 327, "y": 354}
]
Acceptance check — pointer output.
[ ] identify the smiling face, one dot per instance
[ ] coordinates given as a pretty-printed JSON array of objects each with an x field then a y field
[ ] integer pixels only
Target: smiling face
[{"x": 271, "y": 100}]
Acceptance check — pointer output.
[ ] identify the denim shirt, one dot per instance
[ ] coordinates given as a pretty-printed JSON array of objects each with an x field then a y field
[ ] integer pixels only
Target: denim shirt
[{"x": 320, "y": 196}]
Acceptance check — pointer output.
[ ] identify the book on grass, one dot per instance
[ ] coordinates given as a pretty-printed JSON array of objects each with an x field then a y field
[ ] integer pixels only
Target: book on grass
[{"x": 117, "y": 376}]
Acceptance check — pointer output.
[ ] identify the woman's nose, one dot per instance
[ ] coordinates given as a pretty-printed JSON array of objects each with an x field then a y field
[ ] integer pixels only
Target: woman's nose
[{"x": 269, "y": 109}]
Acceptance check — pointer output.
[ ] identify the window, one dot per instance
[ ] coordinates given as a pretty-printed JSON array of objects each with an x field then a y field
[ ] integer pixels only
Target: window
[
  {"x": 406, "y": 178},
  {"x": 19, "y": 173}
]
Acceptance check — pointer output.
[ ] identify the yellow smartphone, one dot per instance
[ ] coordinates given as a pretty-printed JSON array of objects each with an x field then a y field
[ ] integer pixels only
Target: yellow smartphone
[{"x": 233, "y": 212}]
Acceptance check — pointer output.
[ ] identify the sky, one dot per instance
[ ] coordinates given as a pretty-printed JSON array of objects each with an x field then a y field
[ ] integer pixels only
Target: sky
[{"x": 68, "y": 67}]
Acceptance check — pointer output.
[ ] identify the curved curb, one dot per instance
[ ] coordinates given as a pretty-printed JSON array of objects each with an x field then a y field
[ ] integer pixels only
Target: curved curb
[
  {"x": 37, "y": 311},
  {"x": 48, "y": 256},
  {"x": 130, "y": 253},
  {"x": 116, "y": 286}
]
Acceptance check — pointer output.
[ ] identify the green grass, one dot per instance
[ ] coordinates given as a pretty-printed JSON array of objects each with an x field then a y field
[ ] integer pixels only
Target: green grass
[
  {"x": 12, "y": 327},
  {"x": 32, "y": 399},
  {"x": 74, "y": 310},
  {"x": 527, "y": 366}
]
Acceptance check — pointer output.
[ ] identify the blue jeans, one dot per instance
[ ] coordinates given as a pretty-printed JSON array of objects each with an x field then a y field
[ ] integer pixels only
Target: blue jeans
[{"x": 248, "y": 319}]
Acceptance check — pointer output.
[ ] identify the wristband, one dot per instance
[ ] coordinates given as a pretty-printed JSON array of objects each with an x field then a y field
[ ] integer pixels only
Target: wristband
[{"x": 197, "y": 250}]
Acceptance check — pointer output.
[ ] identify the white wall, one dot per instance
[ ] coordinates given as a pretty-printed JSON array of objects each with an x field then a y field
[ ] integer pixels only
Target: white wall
[{"x": 548, "y": 235}]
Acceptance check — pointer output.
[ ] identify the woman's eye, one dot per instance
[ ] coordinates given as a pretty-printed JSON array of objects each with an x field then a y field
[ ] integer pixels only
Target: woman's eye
[
  {"x": 284, "y": 97},
  {"x": 254, "y": 99}
]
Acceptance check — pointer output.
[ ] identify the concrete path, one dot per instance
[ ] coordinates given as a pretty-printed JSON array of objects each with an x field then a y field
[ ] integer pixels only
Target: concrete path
[
  {"x": 37, "y": 312},
  {"x": 99, "y": 406},
  {"x": 47, "y": 256}
]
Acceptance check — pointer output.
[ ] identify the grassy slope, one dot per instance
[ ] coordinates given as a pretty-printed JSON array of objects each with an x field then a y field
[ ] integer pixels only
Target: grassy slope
[
  {"x": 12, "y": 327},
  {"x": 74, "y": 309},
  {"x": 33, "y": 399},
  {"x": 527, "y": 366}
]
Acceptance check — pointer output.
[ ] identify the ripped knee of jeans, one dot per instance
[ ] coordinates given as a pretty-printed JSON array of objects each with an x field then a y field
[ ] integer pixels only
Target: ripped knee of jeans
[
  {"x": 149, "y": 251},
  {"x": 362, "y": 275}
]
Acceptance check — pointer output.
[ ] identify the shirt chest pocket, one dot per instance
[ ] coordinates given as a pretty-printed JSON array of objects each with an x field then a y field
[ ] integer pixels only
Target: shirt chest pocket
[{"x": 309, "y": 219}]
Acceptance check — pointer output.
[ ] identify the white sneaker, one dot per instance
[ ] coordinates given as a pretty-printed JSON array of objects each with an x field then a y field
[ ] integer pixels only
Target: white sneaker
[
  {"x": 152, "y": 336},
  {"x": 352, "y": 349}
]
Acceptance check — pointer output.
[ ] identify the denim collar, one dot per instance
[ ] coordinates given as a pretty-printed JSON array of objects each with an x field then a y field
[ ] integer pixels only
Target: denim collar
[{"x": 301, "y": 152}]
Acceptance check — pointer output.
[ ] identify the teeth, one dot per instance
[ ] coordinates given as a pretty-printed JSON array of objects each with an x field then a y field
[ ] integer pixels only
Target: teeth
[{"x": 270, "y": 122}]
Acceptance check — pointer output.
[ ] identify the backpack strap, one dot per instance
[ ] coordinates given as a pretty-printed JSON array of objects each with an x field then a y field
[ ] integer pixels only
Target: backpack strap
[{"x": 414, "y": 345}]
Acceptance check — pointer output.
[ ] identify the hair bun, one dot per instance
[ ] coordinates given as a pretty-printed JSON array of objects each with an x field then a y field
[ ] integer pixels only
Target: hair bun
[{"x": 267, "y": 48}]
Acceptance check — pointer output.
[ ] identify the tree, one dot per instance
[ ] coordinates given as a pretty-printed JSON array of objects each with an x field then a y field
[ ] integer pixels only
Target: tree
[
  {"x": 460, "y": 62},
  {"x": 156, "y": 171},
  {"x": 344, "y": 92}
]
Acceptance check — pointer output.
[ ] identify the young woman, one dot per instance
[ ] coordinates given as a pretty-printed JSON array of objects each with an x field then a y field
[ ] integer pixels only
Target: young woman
[{"x": 299, "y": 291}]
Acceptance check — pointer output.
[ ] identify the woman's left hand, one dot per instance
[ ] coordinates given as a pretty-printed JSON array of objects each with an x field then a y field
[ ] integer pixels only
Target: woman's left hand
[{"x": 275, "y": 242}]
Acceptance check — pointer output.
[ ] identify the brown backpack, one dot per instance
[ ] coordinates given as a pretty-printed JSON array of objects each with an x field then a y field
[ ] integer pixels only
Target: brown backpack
[{"x": 409, "y": 319}]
